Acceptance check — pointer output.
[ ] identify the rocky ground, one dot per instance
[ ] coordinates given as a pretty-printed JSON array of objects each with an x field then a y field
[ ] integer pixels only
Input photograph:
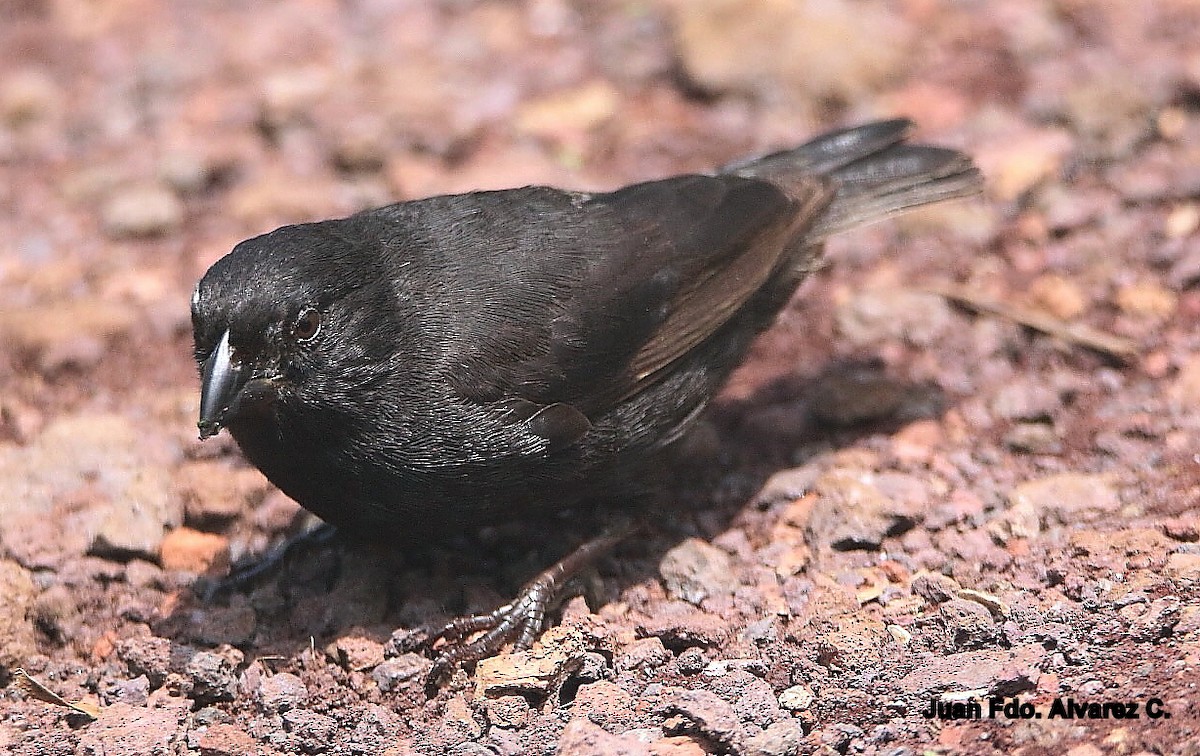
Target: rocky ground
[{"x": 963, "y": 465}]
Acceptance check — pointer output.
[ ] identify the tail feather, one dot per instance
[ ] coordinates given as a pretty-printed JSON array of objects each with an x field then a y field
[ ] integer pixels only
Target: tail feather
[
  {"x": 894, "y": 180},
  {"x": 827, "y": 152},
  {"x": 872, "y": 173}
]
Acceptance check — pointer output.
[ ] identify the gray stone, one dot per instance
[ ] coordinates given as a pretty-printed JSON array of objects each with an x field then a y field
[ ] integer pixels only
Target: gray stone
[
  {"x": 695, "y": 570},
  {"x": 783, "y": 738},
  {"x": 212, "y": 676},
  {"x": 282, "y": 692}
]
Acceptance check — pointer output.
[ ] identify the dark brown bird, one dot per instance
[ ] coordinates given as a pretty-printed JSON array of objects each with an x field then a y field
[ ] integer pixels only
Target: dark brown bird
[{"x": 416, "y": 369}]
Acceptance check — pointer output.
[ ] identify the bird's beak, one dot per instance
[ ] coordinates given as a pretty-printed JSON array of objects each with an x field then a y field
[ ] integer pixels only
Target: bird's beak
[{"x": 221, "y": 381}]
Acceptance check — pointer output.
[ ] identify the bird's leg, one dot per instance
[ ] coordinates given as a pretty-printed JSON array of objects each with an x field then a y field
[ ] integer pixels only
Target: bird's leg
[
  {"x": 247, "y": 573},
  {"x": 522, "y": 619}
]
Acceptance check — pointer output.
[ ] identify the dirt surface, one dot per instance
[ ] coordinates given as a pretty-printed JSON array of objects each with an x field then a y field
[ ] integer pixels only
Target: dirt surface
[{"x": 899, "y": 500}]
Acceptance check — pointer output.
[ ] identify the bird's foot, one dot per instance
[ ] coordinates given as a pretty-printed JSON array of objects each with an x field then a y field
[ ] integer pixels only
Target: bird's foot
[
  {"x": 468, "y": 639},
  {"x": 520, "y": 621}
]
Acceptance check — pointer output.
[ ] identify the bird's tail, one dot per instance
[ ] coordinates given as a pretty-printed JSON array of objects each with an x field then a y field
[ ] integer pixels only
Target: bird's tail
[{"x": 873, "y": 173}]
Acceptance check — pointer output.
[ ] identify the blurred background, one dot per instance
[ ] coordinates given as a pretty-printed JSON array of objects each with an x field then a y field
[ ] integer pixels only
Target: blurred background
[{"x": 140, "y": 140}]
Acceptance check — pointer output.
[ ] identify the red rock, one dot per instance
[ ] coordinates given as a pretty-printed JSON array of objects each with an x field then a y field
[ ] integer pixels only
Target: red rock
[
  {"x": 282, "y": 692},
  {"x": 1009, "y": 671},
  {"x": 1062, "y": 297},
  {"x": 458, "y": 723},
  {"x": 510, "y": 712},
  {"x": 857, "y": 510},
  {"x": 18, "y": 639},
  {"x": 1068, "y": 497},
  {"x": 355, "y": 652},
  {"x": 857, "y": 644},
  {"x": 194, "y": 551},
  {"x": 646, "y": 655},
  {"x": 605, "y": 703},
  {"x": 215, "y": 491},
  {"x": 1183, "y": 568},
  {"x": 916, "y": 441},
  {"x": 124, "y": 730},
  {"x": 229, "y": 740},
  {"x": 1186, "y": 388},
  {"x": 677, "y": 745},
  {"x": 583, "y": 738},
  {"x": 678, "y": 624},
  {"x": 707, "y": 713},
  {"x": 1122, "y": 550}
]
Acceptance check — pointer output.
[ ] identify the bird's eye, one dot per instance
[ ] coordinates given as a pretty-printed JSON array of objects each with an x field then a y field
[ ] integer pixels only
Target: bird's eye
[{"x": 307, "y": 325}]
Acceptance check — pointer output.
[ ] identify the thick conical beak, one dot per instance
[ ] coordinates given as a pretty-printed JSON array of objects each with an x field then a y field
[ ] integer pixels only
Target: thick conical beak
[{"x": 221, "y": 381}]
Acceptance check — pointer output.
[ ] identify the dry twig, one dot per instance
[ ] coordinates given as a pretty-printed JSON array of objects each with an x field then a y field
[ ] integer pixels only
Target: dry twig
[{"x": 1076, "y": 333}]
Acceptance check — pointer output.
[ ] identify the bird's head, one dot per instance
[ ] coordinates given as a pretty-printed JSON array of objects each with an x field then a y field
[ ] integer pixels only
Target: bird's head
[{"x": 272, "y": 319}]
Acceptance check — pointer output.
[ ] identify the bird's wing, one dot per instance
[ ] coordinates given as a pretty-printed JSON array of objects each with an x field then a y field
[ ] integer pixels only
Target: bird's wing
[
  {"x": 724, "y": 238},
  {"x": 574, "y": 303},
  {"x": 682, "y": 256}
]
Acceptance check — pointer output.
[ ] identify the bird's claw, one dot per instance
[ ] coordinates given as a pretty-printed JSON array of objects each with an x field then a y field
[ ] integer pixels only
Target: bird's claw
[{"x": 468, "y": 639}]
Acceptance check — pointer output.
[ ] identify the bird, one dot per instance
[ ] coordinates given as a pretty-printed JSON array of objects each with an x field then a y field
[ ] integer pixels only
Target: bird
[{"x": 414, "y": 370}]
